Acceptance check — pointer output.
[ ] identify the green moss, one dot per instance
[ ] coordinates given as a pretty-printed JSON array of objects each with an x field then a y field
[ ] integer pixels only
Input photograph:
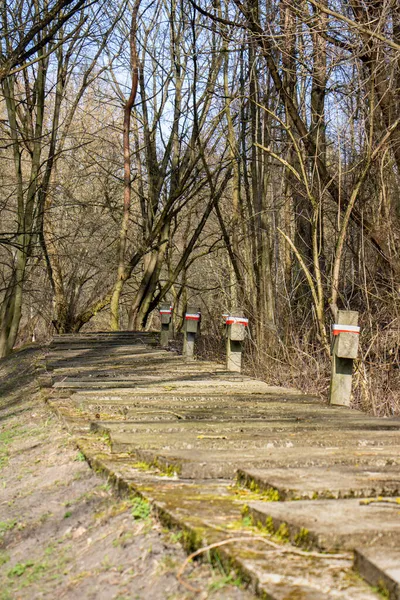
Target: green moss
[
  {"x": 271, "y": 495},
  {"x": 168, "y": 470},
  {"x": 282, "y": 533},
  {"x": 382, "y": 590},
  {"x": 143, "y": 466},
  {"x": 254, "y": 492},
  {"x": 254, "y": 487},
  {"x": 192, "y": 539},
  {"x": 106, "y": 438},
  {"x": 302, "y": 538},
  {"x": 269, "y": 525}
]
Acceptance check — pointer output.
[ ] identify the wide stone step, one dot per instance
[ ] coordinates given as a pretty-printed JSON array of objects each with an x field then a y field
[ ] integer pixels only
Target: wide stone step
[
  {"x": 137, "y": 397},
  {"x": 145, "y": 374},
  {"x": 380, "y": 567},
  {"x": 329, "y": 525},
  {"x": 70, "y": 348},
  {"x": 217, "y": 463},
  {"x": 219, "y": 385},
  {"x": 210, "y": 511},
  {"x": 323, "y": 483},
  {"x": 144, "y": 362},
  {"x": 169, "y": 429}
]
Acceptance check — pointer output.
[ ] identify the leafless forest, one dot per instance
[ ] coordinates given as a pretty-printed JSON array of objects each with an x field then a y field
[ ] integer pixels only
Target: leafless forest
[{"x": 227, "y": 153}]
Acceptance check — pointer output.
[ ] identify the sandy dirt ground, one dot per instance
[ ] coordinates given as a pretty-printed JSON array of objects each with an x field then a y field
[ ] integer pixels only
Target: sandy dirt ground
[{"x": 64, "y": 532}]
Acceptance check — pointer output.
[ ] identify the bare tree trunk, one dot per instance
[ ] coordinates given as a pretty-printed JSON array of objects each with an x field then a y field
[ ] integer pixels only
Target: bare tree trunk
[
  {"x": 122, "y": 275},
  {"x": 26, "y": 205}
]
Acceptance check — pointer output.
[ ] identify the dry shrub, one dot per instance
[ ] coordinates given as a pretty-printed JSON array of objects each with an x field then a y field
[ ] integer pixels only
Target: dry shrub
[
  {"x": 377, "y": 373},
  {"x": 305, "y": 366}
]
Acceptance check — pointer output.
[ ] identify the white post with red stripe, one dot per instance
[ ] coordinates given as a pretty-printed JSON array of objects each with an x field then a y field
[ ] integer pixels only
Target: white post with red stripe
[
  {"x": 236, "y": 326},
  {"x": 165, "y": 311},
  {"x": 345, "y": 337},
  {"x": 191, "y": 327}
]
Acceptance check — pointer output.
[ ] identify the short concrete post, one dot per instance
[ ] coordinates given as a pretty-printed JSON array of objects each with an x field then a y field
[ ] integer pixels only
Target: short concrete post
[
  {"x": 190, "y": 328},
  {"x": 345, "y": 338},
  {"x": 166, "y": 322},
  {"x": 235, "y": 334}
]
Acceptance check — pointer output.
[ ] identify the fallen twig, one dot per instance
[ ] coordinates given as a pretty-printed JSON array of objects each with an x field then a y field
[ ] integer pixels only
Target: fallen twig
[{"x": 276, "y": 546}]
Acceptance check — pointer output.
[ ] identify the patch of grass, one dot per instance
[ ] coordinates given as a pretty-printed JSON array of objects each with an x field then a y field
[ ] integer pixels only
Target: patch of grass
[
  {"x": 45, "y": 516},
  {"x": 7, "y": 526},
  {"x": 67, "y": 514},
  {"x": 80, "y": 457},
  {"x": 4, "y": 558},
  {"x": 4, "y": 458},
  {"x": 19, "y": 569},
  {"x": 247, "y": 521},
  {"x": 29, "y": 571},
  {"x": 106, "y": 563},
  {"x": 123, "y": 540},
  {"x": 175, "y": 537},
  {"x": 221, "y": 582},
  {"x": 382, "y": 590},
  {"x": 140, "y": 508}
]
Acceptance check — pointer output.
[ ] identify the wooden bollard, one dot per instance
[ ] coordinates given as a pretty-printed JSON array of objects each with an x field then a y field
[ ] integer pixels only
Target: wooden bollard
[
  {"x": 345, "y": 334},
  {"x": 235, "y": 335},
  {"x": 190, "y": 328},
  {"x": 166, "y": 322}
]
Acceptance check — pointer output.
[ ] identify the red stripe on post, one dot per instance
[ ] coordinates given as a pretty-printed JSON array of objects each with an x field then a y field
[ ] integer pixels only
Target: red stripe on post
[
  {"x": 336, "y": 329},
  {"x": 237, "y": 321}
]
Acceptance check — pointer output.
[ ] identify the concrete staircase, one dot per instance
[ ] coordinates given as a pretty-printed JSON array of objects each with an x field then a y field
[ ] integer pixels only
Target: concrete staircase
[{"x": 300, "y": 496}]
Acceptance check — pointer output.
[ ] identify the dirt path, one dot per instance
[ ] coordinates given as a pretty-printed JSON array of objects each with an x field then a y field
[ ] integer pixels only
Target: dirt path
[{"x": 64, "y": 533}]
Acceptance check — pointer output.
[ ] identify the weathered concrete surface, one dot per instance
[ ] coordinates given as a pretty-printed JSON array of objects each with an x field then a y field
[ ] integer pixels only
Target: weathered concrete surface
[
  {"x": 206, "y": 464},
  {"x": 211, "y": 512},
  {"x": 324, "y": 483},
  {"x": 380, "y": 568},
  {"x": 178, "y": 432},
  {"x": 332, "y": 525}
]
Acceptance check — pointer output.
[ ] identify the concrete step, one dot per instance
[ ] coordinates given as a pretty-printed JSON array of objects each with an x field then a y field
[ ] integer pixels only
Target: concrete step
[
  {"x": 211, "y": 512},
  {"x": 330, "y": 526},
  {"x": 380, "y": 566},
  {"x": 209, "y": 463},
  {"x": 198, "y": 400},
  {"x": 323, "y": 483},
  {"x": 219, "y": 385},
  {"x": 165, "y": 417}
]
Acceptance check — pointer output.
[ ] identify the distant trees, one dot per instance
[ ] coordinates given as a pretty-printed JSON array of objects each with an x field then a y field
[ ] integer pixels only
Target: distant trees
[
  {"x": 174, "y": 130},
  {"x": 35, "y": 129},
  {"x": 32, "y": 30}
]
